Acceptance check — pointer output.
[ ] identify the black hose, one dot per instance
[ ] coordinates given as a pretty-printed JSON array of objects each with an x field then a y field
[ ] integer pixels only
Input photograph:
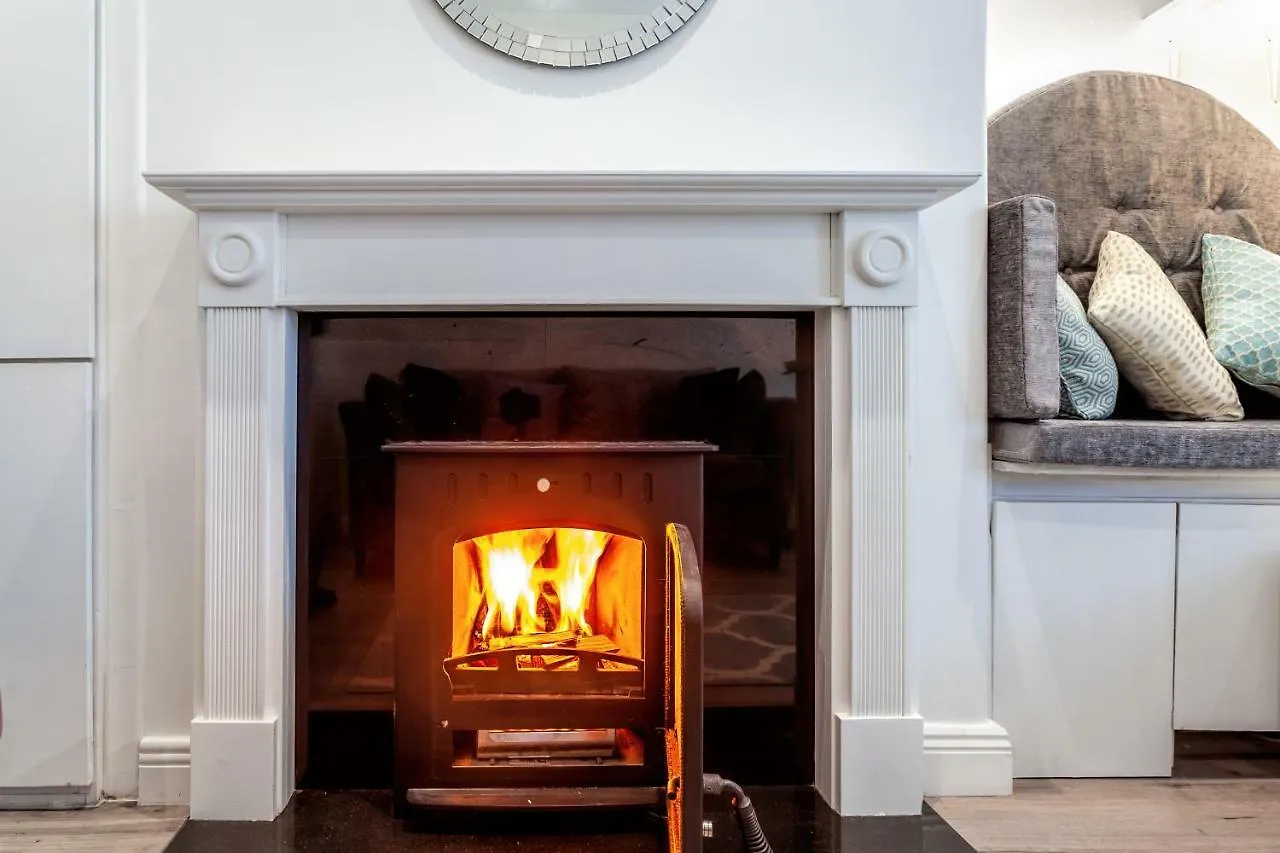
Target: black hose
[{"x": 753, "y": 840}]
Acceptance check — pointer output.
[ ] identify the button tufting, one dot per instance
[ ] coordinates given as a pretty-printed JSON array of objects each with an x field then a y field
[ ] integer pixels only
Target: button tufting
[{"x": 1217, "y": 208}]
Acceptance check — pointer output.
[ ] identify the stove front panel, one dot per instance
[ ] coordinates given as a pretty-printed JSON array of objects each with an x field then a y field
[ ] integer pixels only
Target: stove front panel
[{"x": 447, "y": 502}]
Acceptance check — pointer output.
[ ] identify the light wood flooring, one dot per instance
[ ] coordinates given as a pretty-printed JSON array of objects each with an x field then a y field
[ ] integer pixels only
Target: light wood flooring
[
  {"x": 1122, "y": 816},
  {"x": 109, "y": 828}
]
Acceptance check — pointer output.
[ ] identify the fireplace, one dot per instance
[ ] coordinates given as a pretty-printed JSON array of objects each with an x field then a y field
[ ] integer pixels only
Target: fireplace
[
  {"x": 841, "y": 246},
  {"x": 548, "y": 620}
]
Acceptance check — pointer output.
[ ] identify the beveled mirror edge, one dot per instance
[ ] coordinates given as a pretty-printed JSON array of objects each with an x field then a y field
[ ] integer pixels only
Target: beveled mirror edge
[{"x": 559, "y": 52}]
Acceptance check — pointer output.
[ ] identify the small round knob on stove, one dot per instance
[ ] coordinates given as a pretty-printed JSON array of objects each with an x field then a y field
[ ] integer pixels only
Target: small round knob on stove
[{"x": 544, "y": 485}]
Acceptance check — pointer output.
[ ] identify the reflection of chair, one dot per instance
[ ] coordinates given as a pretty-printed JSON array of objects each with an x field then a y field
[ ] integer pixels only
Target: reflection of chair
[
  {"x": 370, "y": 481},
  {"x": 748, "y": 484}
]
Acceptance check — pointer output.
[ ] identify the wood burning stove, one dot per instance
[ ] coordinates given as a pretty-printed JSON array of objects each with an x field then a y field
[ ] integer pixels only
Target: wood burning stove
[{"x": 549, "y": 627}]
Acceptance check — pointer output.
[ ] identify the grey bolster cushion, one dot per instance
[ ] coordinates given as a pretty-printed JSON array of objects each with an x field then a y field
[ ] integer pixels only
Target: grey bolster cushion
[{"x": 1022, "y": 331}]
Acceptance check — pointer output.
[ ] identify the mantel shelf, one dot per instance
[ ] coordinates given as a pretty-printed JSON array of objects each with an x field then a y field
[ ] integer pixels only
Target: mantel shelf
[{"x": 560, "y": 192}]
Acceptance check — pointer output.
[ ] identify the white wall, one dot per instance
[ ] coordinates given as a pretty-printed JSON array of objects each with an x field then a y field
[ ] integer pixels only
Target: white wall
[
  {"x": 1224, "y": 52},
  {"x": 391, "y": 84}
]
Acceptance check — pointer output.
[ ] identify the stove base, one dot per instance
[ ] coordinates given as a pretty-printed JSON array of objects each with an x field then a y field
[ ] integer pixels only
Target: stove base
[{"x": 535, "y": 798}]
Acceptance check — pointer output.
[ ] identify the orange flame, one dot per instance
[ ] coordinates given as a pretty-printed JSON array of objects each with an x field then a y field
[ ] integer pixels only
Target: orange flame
[{"x": 517, "y": 577}]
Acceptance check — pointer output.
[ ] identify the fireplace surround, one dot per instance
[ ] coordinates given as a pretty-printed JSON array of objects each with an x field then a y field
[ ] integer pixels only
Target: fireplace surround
[{"x": 842, "y": 246}]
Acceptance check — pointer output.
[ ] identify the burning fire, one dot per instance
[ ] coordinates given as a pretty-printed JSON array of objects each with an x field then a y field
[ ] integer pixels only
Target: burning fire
[{"x": 537, "y": 581}]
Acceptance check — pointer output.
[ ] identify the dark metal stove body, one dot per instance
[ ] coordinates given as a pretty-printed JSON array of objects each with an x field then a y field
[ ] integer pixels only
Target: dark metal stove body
[{"x": 448, "y": 705}]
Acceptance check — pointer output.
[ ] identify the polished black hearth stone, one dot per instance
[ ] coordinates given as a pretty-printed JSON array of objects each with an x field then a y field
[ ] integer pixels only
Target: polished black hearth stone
[{"x": 795, "y": 819}]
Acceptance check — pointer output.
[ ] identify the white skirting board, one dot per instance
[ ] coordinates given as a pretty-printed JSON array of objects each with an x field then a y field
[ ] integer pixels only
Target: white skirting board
[
  {"x": 967, "y": 760},
  {"x": 887, "y": 752},
  {"x": 47, "y": 799},
  {"x": 164, "y": 770},
  {"x": 234, "y": 772}
]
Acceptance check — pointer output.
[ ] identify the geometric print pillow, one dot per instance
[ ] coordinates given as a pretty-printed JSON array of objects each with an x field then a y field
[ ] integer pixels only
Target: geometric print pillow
[
  {"x": 1088, "y": 373},
  {"x": 1157, "y": 343},
  {"x": 1241, "y": 290}
]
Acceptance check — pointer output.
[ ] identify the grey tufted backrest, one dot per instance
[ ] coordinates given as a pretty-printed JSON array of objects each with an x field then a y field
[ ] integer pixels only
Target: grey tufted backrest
[{"x": 1147, "y": 156}]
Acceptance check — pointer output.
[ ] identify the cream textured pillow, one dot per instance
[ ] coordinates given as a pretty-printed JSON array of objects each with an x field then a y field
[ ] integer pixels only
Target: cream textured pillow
[{"x": 1155, "y": 339}]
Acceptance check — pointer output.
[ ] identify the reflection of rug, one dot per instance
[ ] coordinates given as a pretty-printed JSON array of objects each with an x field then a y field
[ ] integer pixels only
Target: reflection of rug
[{"x": 749, "y": 639}]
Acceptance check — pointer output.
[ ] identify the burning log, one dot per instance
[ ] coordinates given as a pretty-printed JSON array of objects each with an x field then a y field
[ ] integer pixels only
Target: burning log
[
  {"x": 531, "y": 641},
  {"x": 597, "y": 643}
]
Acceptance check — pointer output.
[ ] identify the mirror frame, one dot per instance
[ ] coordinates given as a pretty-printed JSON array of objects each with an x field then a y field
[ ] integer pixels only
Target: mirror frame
[{"x": 559, "y": 52}]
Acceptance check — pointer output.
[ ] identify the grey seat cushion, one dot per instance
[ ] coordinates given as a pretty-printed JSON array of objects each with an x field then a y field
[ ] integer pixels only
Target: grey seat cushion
[{"x": 1139, "y": 444}]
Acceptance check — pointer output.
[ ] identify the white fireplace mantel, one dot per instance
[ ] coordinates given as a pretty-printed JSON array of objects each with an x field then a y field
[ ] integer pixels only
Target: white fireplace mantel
[
  {"x": 558, "y": 192},
  {"x": 843, "y": 245}
]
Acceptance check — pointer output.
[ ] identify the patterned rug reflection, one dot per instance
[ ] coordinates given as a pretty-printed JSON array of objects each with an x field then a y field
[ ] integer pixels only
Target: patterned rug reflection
[{"x": 750, "y": 639}]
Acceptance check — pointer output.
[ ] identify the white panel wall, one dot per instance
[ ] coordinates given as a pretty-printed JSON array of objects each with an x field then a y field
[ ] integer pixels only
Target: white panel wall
[
  {"x": 1227, "y": 657},
  {"x": 45, "y": 568},
  {"x": 47, "y": 50},
  {"x": 1083, "y": 636}
]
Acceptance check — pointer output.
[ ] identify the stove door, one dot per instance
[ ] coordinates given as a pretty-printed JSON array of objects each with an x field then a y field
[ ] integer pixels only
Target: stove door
[{"x": 684, "y": 693}]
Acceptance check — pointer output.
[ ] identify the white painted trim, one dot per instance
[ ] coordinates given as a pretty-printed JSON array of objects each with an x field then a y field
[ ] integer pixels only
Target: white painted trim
[
  {"x": 233, "y": 769},
  {"x": 241, "y": 762},
  {"x": 164, "y": 770},
  {"x": 866, "y": 702},
  {"x": 883, "y": 765},
  {"x": 1170, "y": 9},
  {"x": 1098, "y": 484},
  {"x": 1120, "y": 472},
  {"x": 544, "y": 192},
  {"x": 967, "y": 759}
]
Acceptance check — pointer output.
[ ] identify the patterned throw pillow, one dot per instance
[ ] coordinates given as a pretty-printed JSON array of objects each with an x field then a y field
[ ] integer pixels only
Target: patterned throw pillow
[
  {"x": 1241, "y": 291},
  {"x": 1088, "y": 373},
  {"x": 1154, "y": 337}
]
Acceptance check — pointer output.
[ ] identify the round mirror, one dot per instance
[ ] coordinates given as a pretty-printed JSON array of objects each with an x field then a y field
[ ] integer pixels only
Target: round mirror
[{"x": 571, "y": 33}]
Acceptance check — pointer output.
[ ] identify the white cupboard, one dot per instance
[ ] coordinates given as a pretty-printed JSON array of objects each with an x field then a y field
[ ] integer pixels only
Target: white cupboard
[
  {"x": 47, "y": 195},
  {"x": 45, "y": 577},
  {"x": 1083, "y": 636},
  {"x": 1227, "y": 654}
]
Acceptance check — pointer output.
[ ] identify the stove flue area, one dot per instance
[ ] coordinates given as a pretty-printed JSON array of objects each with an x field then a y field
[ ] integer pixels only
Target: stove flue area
[{"x": 549, "y": 627}]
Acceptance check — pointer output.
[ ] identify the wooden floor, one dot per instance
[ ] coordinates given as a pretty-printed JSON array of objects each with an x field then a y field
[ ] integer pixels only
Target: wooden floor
[
  {"x": 109, "y": 828},
  {"x": 1122, "y": 816}
]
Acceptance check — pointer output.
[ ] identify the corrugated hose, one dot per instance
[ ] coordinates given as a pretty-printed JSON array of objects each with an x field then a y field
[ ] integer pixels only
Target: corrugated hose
[{"x": 753, "y": 840}]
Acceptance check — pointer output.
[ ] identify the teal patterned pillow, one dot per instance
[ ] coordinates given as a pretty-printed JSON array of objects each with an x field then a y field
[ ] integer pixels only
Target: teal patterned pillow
[
  {"x": 1241, "y": 291},
  {"x": 1090, "y": 380}
]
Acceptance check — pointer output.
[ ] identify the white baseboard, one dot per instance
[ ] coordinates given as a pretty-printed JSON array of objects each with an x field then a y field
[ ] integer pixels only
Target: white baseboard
[
  {"x": 233, "y": 769},
  {"x": 881, "y": 765},
  {"x": 164, "y": 770},
  {"x": 967, "y": 760},
  {"x": 40, "y": 799}
]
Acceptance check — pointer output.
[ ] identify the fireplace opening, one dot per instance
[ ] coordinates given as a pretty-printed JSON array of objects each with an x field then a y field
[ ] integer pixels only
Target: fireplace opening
[
  {"x": 739, "y": 381},
  {"x": 564, "y": 601}
]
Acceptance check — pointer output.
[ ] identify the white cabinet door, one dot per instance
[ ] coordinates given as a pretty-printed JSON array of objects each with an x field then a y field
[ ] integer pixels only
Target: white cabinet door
[
  {"x": 47, "y": 106},
  {"x": 1227, "y": 676},
  {"x": 45, "y": 636},
  {"x": 1083, "y": 637}
]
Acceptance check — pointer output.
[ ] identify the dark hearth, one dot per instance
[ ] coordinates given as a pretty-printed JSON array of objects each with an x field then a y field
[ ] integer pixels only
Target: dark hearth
[{"x": 323, "y": 822}]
